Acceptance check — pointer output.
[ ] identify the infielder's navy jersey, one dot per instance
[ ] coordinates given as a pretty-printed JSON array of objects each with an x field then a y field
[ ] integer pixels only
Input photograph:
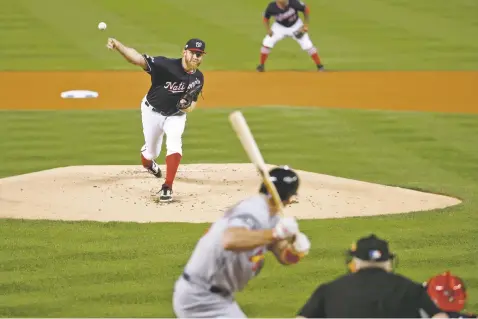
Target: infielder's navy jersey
[
  {"x": 286, "y": 16},
  {"x": 169, "y": 82}
]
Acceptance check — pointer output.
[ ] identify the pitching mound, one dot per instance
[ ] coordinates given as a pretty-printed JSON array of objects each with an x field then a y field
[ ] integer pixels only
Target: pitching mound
[{"x": 201, "y": 193}]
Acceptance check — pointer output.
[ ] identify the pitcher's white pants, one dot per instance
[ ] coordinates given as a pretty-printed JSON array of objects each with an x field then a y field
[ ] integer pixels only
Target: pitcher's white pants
[{"x": 155, "y": 126}]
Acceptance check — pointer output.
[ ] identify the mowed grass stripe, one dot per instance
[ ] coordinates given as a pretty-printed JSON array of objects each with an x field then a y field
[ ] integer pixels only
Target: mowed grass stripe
[
  {"x": 349, "y": 35},
  {"x": 327, "y": 133},
  {"x": 144, "y": 260},
  {"x": 413, "y": 43},
  {"x": 328, "y": 265},
  {"x": 411, "y": 141},
  {"x": 90, "y": 269}
]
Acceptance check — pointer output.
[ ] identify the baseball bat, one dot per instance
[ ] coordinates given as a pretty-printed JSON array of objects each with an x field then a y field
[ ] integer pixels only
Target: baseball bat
[{"x": 249, "y": 144}]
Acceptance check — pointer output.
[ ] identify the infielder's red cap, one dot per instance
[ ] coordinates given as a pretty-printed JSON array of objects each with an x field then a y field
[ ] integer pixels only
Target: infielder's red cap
[{"x": 197, "y": 45}]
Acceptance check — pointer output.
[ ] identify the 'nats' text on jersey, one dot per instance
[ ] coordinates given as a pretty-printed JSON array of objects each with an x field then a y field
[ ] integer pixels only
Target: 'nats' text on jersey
[
  {"x": 285, "y": 16},
  {"x": 169, "y": 82},
  {"x": 231, "y": 270}
]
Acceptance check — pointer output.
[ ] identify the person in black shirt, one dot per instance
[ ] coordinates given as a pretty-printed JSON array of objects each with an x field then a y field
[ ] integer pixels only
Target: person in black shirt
[
  {"x": 449, "y": 293},
  {"x": 163, "y": 108},
  {"x": 371, "y": 290},
  {"x": 287, "y": 24}
]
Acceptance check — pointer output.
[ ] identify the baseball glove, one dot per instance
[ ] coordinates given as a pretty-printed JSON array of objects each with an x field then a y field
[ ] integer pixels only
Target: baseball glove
[
  {"x": 187, "y": 99},
  {"x": 299, "y": 33}
]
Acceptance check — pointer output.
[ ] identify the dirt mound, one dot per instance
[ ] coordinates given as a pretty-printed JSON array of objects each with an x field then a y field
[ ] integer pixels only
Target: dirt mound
[{"x": 201, "y": 193}]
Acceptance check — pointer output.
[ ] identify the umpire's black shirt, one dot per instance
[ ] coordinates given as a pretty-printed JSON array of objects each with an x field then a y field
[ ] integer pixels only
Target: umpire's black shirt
[
  {"x": 169, "y": 82},
  {"x": 369, "y": 293}
]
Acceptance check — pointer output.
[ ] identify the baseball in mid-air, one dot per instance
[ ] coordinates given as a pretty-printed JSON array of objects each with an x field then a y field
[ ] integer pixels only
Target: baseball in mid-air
[{"x": 102, "y": 26}]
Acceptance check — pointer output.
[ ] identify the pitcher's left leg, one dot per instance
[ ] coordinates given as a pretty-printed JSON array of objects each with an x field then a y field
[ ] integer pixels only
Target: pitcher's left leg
[
  {"x": 174, "y": 129},
  {"x": 153, "y": 135}
]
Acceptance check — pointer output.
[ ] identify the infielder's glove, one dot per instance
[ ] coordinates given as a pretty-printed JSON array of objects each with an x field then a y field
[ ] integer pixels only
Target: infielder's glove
[
  {"x": 188, "y": 97},
  {"x": 299, "y": 34}
]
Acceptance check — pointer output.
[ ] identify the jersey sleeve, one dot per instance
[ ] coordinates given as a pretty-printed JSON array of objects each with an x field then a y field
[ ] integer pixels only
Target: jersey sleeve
[
  {"x": 154, "y": 64},
  {"x": 315, "y": 305},
  {"x": 244, "y": 220},
  {"x": 299, "y": 5},
  {"x": 267, "y": 13}
]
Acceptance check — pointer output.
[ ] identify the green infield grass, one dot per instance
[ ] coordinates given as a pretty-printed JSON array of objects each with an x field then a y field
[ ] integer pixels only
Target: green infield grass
[
  {"x": 88, "y": 269},
  {"x": 350, "y": 34}
]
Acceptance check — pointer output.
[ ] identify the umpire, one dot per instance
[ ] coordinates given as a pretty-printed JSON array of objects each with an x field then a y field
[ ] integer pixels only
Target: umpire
[{"x": 371, "y": 289}]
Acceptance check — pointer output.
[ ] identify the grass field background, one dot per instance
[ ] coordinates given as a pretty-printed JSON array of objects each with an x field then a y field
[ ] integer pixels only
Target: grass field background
[
  {"x": 79, "y": 269},
  {"x": 126, "y": 269},
  {"x": 350, "y": 34}
]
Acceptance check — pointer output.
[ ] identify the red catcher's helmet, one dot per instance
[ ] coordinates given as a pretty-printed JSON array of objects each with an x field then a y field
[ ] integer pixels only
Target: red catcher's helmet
[{"x": 447, "y": 291}]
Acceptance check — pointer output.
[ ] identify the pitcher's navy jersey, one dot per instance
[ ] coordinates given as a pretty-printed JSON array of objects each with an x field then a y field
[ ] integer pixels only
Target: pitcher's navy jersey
[{"x": 169, "y": 82}]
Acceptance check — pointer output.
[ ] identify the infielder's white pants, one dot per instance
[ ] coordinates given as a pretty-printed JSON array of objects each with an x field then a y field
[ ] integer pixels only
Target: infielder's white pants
[
  {"x": 155, "y": 126},
  {"x": 280, "y": 32}
]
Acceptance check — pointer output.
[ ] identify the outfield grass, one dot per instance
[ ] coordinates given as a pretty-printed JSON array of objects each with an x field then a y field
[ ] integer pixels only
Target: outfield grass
[
  {"x": 351, "y": 34},
  {"x": 80, "y": 269}
]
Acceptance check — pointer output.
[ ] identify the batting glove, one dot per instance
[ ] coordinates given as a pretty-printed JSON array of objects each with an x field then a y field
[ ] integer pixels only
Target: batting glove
[
  {"x": 286, "y": 227},
  {"x": 301, "y": 243}
]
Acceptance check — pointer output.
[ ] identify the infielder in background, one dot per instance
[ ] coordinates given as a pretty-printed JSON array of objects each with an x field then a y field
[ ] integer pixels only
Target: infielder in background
[
  {"x": 175, "y": 86},
  {"x": 287, "y": 24},
  {"x": 232, "y": 252}
]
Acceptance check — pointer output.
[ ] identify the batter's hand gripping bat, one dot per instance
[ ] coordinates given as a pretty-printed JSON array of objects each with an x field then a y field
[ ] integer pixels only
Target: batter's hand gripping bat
[{"x": 250, "y": 146}]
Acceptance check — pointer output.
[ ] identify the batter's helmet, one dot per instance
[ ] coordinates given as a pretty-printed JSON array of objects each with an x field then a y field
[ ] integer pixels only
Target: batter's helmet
[{"x": 285, "y": 180}]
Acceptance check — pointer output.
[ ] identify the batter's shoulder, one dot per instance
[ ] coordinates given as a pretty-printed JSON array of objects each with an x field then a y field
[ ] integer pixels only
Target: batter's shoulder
[
  {"x": 256, "y": 206},
  {"x": 252, "y": 208}
]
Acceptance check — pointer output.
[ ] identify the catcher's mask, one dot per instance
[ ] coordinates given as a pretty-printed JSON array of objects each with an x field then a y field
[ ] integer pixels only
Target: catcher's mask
[
  {"x": 369, "y": 248},
  {"x": 447, "y": 291},
  {"x": 285, "y": 180}
]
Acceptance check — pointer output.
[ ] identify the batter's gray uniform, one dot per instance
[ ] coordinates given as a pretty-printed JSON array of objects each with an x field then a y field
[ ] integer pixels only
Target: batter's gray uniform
[{"x": 213, "y": 274}]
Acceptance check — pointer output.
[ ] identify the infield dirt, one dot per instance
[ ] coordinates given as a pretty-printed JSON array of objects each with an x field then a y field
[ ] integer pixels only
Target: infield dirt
[
  {"x": 126, "y": 193},
  {"x": 421, "y": 91}
]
